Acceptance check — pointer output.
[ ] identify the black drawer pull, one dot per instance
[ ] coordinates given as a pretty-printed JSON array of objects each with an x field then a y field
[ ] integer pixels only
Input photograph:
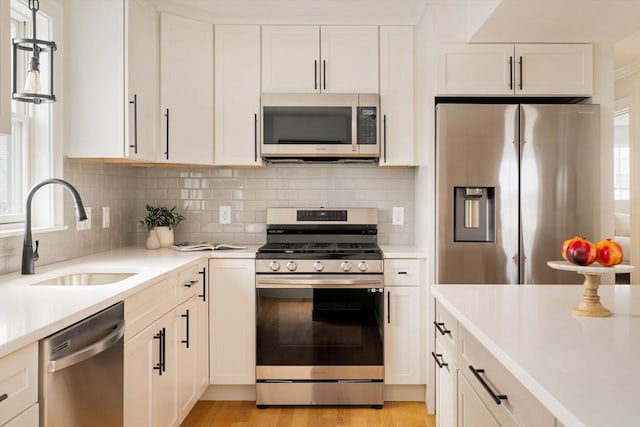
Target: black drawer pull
[
  {"x": 4, "y": 397},
  {"x": 441, "y": 328},
  {"x": 402, "y": 272},
  {"x": 439, "y": 360},
  {"x": 498, "y": 398}
]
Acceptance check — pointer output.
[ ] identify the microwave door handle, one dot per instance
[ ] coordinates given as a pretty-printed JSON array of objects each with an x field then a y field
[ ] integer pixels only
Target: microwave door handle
[{"x": 354, "y": 126}]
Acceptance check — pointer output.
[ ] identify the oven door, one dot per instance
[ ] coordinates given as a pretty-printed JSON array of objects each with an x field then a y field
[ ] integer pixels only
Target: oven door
[{"x": 319, "y": 320}]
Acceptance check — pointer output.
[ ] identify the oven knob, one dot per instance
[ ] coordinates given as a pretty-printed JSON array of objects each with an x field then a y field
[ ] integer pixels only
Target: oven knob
[
  {"x": 274, "y": 266},
  {"x": 317, "y": 266},
  {"x": 346, "y": 266},
  {"x": 362, "y": 266},
  {"x": 291, "y": 266}
]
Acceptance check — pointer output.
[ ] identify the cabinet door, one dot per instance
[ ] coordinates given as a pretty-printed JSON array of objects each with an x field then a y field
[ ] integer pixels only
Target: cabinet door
[
  {"x": 471, "y": 410},
  {"x": 232, "y": 325},
  {"x": 446, "y": 388},
  {"x": 402, "y": 336},
  {"x": 349, "y": 59},
  {"x": 475, "y": 69},
  {"x": 290, "y": 58},
  {"x": 5, "y": 69},
  {"x": 237, "y": 97},
  {"x": 141, "y": 121},
  {"x": 201, "y": 333},
  {"x": 187, "y": 344},
  {"x": 29, "y": 418},
  {"x": 396, "y": 96},
  {"x": 554, "y": 69},
  {"x": 150, "y": 396},
  {"x": 186, "y": 90}
]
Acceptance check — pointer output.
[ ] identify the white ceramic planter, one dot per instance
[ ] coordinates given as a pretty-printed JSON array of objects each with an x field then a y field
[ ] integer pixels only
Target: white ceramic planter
[
  {"x": 152, "y": 241},
  {"x": 165, "y": 236}
]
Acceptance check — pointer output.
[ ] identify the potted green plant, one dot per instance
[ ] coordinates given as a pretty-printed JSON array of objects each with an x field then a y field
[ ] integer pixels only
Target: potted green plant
[{"x": 160, "y": 221}]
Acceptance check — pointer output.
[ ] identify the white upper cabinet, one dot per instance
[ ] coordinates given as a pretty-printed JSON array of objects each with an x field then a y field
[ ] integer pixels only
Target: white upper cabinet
[
  {"x": 290, "y": 58},
  {"x": 549, "y": 69},
  {"x": 237, "y": 95},
  {"x": 396, "y": 96},
  {"x": 141, "y": 119},
  {"x": 5, "y": 69},
  {"x": 349, "y": 59},
  {"x": 307, "y": 59},
  {"x": 520, "y": 69},
  {"x": 118, "y": 66},
  {"x": 186, "y": 90}
]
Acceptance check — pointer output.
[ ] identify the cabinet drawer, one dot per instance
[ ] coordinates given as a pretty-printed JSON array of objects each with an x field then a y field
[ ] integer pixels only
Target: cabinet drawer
[
  {"x": 144, "y": 307},
  {"x": 18, "y": 382},
  {"x": 401, "y": 272},
  {"x": 29, "y": 418},
  {"x": 446, "y": 328},
  {"x": 189, "y": 283},
  {"x": 518, "y": 404}
]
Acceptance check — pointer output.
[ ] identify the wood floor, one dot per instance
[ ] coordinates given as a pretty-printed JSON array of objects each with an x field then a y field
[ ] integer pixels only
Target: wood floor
[{"x": 245, "y": 413}]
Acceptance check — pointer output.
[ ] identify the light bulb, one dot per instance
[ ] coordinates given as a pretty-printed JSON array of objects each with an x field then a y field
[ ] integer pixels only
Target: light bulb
[{"x": 33, "y": 85}]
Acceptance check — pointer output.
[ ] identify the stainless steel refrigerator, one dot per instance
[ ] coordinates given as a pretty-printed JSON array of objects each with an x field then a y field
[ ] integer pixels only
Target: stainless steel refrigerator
[{"x": 513, "y": 181}]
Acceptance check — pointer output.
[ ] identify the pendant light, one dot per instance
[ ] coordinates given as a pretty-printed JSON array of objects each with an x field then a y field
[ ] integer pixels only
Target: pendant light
[{"x": 34, "y": 89}]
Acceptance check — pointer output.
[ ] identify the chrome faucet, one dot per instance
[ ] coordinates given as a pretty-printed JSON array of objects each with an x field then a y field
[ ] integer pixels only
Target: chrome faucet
[{"x": 29, "y": 256}]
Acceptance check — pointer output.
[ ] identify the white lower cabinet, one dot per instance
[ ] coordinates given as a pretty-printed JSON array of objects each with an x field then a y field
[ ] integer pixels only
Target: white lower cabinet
[
  {"x": 29, "y": 418},
  {"x": 232, "y": 312},
  {"x": 150, "y": 375},
  {"x": 472, "y": 385},
  {"x": 18, "y": 385},
  {"x": 402, "y": 322},
  {"x": 446, "y": 388},
  {"x": 166, "y": 349}
]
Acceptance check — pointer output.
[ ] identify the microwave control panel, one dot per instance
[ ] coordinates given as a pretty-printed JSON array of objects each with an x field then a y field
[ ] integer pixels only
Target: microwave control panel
[{"x": 367, "y": 125}]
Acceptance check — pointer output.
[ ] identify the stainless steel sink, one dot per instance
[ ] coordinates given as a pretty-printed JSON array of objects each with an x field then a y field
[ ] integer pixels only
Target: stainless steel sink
[{"x": 85, "y": 279}]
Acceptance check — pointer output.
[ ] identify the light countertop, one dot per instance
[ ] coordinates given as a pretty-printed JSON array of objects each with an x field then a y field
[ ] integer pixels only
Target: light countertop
[
  {"x": 584, "y": 370},
  {"x": 402, "y": 251}
]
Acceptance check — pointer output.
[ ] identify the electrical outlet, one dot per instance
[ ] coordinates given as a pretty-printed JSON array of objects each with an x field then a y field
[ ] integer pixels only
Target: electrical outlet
[
  {"x": 106, "y": 221},
  {"x": 86, "y": 224},
  {"x": 398, "y": 215},
  {"x": 225, "y": 214}
]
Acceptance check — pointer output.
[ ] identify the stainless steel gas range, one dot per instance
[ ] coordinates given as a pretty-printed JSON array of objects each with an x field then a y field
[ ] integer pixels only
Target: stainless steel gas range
[{"x": 320, "y": 287}]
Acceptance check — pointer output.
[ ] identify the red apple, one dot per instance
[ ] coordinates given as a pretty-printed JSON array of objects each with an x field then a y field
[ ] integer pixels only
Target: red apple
[
  {"x": 609, "y": 252},
  {"x": 565, "y": 245},
  {"x": 580, "y": 251}
]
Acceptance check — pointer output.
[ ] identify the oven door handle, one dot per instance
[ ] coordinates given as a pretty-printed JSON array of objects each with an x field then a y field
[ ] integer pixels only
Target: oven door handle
[{"x": 318, "y": 283}]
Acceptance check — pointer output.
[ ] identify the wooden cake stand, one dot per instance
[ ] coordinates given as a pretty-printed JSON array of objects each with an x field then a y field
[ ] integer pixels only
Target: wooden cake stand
[{"x": 590, "y": 305}]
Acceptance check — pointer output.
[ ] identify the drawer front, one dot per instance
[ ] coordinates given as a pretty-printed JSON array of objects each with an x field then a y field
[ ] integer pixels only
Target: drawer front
[
  {"x": 446, "y": 328},
  {"x": 18, "y": 382},
  {"x": 401, "y": 272},
  {"x": 518, "y": 404},
  {"x": 141, "y": 309},
  {"x": 29, "y": 418},
  {"x": 189, "y": 283}
]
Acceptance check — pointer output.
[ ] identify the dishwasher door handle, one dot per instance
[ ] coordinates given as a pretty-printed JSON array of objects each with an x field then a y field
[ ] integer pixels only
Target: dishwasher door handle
[{"x": 89, "y": 351}]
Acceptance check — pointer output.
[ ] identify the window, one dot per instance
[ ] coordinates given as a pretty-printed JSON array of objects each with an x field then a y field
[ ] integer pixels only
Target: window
[
  {"x": 27, "y": 156},
  {"x": 621, "y": 155}
]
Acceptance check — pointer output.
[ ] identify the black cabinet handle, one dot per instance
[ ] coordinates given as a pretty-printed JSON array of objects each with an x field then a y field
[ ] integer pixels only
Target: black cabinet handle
[
  {"x": 166, "y": 153},
  {"x": 160, "y": 337},
  {"x": 4, "y": 397},
  {"x": 255, "y": 137},
  {"x": 498, "y": 398},
  {"x": 520, "y": 63},
  {"x": 439, "y": 360},
  {"x": 186, "y": 341},
  {"x": 135, "y": 124},
  {"x": 511, "y": 73},
  {"x": 324, "y": 74},
  {"x": 441, "y": 328},
  {"x": 388, "y": 306},
  {"x": 189, "y": 283},
  {"x": 384, "y": 135},
  {"x": 315, "y": 74},
  {"x": 203, "y": 295}
]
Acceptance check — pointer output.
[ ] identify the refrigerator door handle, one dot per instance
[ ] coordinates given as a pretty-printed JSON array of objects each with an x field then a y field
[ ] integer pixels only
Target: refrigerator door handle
[{"x": 515, "y": 259}]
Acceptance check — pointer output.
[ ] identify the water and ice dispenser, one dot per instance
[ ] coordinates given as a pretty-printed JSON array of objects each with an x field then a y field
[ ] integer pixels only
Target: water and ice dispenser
[{"x": 474, "y": 214}]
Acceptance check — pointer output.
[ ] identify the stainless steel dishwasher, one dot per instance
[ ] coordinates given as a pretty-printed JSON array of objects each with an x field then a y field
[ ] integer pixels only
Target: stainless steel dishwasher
[{"x": 81, "y": 372}]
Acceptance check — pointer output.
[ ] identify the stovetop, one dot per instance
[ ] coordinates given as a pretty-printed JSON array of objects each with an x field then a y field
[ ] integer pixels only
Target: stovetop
[{"x": 320, "y": 248}]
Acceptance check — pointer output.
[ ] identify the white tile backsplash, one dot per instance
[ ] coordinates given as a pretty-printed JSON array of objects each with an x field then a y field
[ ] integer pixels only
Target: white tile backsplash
[{"x": 198, "y": 193}]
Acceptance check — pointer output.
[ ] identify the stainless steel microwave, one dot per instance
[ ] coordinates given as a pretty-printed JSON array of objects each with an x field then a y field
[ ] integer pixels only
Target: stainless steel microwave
[{"x": 320, "y": 125}]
